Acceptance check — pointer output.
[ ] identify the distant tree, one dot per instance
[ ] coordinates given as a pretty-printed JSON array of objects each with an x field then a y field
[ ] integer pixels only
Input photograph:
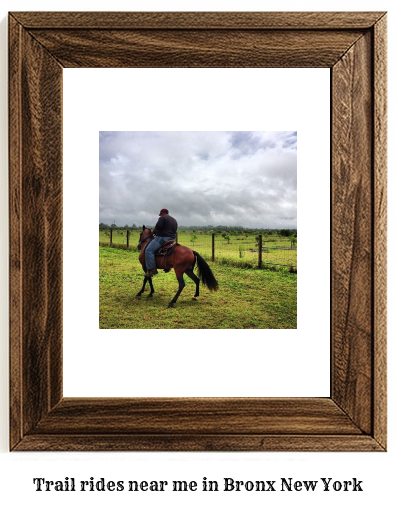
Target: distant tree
[{"x": 193, "y": 237}]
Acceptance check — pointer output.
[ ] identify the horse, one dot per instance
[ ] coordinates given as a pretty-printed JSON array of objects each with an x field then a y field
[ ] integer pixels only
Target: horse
[{"x": 183, "y": 260}]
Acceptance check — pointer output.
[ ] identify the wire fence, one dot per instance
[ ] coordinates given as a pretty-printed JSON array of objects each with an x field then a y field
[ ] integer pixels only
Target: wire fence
[{"x": 227, "y": 248}]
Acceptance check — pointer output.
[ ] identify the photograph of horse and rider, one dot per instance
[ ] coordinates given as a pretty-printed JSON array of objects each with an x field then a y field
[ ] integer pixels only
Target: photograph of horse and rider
[{"x": 226, "y": 218}]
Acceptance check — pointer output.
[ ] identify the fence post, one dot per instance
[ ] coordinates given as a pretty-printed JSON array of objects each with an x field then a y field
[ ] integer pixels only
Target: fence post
[
  {"x": 128, "y": 238},
  {"x": 111, "y": 236},
  {"x": 260, "y": 251},
  {"x": 213, "y": 247}
]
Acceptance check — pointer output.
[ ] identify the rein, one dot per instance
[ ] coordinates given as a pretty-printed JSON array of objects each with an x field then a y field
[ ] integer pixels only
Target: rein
[{"x": 144, "y": 239}]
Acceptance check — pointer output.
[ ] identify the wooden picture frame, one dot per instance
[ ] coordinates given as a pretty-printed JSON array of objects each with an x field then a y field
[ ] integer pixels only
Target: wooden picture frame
[{"x": 353, "y": 46}]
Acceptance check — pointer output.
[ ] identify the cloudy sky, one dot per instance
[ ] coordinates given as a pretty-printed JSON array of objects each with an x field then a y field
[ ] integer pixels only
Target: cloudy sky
[{"x": 203, "y": 178}]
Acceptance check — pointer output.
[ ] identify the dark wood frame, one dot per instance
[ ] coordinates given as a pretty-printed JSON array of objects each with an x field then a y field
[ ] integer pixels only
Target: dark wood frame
[{"x": 353, "y": 46}]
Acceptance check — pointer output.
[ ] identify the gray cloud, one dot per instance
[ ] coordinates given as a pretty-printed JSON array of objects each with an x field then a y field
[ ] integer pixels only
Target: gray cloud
[{"x": 203, "y": 178}]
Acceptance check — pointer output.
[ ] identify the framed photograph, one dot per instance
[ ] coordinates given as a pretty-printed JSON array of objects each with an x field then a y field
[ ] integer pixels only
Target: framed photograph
[{"x": 353, "y": 46}]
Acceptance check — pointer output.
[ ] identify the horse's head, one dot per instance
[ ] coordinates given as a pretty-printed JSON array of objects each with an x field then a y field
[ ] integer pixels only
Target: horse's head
[{"x": 145, "y": 235}]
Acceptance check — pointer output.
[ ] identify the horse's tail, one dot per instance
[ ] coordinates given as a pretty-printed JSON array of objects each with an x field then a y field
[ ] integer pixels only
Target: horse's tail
[{"x": 205, "y": 274}]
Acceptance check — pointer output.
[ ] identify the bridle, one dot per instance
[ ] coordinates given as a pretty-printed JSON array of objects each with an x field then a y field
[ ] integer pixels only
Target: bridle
[{"x": 147, "y": 237}]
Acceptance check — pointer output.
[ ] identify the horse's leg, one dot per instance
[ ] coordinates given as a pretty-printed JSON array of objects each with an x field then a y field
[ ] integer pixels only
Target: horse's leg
[
  {"x": 151, "y": 287},
  {"x": 143, "y": 286},
  {"x": 196, "y": 280},
  {"x": 180, "y": 289},
  {"x": 147, "y": 279}
]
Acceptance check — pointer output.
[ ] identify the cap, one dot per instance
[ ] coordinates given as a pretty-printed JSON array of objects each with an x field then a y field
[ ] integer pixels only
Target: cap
[{"x": 164, "y": 210}]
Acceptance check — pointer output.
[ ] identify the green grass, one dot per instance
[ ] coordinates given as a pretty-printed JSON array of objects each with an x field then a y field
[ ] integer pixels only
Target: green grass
[{"x": 247, "y": 298}]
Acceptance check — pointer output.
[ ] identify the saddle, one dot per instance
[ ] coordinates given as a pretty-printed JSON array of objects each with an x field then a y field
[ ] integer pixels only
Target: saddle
[{"x": 166, "y": 249}]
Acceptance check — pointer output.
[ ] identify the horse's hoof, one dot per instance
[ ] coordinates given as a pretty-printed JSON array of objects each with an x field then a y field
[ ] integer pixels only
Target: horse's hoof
[
  {"x": 150, "y": 295},
  {"x": 139, "y": 295},
  {"x": 194, "y": 297},
  {"x": 170, "y": 305}
]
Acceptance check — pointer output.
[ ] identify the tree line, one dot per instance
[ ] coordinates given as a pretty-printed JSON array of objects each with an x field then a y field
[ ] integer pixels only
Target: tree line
[{"x": 218, "y": 229}]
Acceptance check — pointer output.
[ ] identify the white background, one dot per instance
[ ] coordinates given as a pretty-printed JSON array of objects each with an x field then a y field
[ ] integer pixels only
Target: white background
[
  {"x": 195, "y": 362},
  {"x": 17, "y": 470}
]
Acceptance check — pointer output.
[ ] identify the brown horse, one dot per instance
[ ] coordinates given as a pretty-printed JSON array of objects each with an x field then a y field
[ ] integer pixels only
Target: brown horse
[{"x": 183, "y": 260}]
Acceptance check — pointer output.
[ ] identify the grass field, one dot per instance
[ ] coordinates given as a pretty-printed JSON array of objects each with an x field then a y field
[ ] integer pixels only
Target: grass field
[
  {"x": 247, "y": 298},
  {"x": 239, "y": 249}
]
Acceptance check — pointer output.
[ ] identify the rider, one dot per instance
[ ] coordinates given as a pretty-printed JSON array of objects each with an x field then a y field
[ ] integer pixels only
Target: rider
[{"x": 165, "y": 230}]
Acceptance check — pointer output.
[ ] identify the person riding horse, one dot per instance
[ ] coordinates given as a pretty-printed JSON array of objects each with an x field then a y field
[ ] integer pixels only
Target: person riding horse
[
  {"x": 183, "y": 260},
  {"x": 165, "y": 230}
]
